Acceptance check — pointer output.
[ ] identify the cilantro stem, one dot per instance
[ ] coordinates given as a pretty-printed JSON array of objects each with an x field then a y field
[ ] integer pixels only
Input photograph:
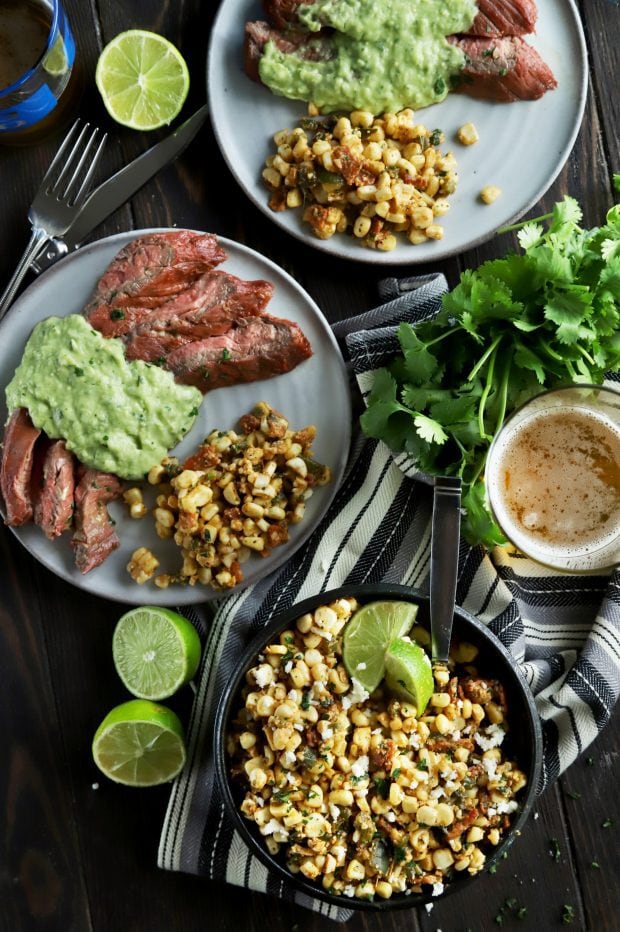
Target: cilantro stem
[
  {"x": 442, "y": 336},
  {"x": 585, "y": 353},
  {"x": 522, "y": 223},
  {"x": 503, "y": 393},
  {"x": 487, "y": 388},
  {"x": 488, "y": 352},
  {"x": 551, "y": 352}
]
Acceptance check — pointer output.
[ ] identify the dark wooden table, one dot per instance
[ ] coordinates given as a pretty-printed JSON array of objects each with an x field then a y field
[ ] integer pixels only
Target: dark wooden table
[{"x": 78, "y": 852}]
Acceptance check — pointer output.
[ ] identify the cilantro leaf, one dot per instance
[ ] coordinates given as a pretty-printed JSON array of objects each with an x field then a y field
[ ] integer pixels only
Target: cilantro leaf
[{"x": 429, "y": 430}]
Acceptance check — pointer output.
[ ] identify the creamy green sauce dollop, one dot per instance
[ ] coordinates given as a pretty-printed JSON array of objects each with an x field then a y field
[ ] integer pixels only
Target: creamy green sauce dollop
[
  {"x": 118, "y": 416},
  {"x": 386, "y": 54}
]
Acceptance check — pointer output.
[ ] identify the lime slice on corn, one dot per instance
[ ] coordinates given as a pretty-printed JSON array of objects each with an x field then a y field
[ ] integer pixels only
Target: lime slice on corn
[
  {"x": 367, "y": 636},
  {"x": 143, "y": 79},
  {"x": 408, "y": 673},
  {"x": 140, "y": 743}
]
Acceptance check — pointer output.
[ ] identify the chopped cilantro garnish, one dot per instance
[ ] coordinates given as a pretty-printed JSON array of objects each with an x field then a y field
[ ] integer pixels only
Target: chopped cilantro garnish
[
  {"x": 568, "y": 913},
  {"x": 607, "y": 823},
  {"x": 383, "y": 786},
  {"x": 422, "y": 765},
  {"x": 117, "y": 314},
  {"x": 554, "y": 849},
  {"x": 305, "y": 700},
  {"x": 225, "y": 354}
]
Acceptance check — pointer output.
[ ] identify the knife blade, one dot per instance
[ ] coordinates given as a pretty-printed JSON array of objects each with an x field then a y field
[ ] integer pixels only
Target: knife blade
[{"x": 118, "y": 188}]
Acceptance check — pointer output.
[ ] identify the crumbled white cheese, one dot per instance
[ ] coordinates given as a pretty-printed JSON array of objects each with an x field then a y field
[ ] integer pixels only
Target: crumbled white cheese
[
  {"x": 259, "y": 799},
  {"x": 456, "y": 735},
  {"x": 507, "y": 806},
  {"x": 349, "y": 890},
  {"x": 361, "y": 666},
  {"x": 326, "y": 732},
  {"x": 390, "y": 816},
  {"x": 273, "y": 826},
  {"x": 298, "y": 726},
  {"x": 289, "y": 758},
  {"x": 377, "y": 731},
  {"x": 356, "y": 694},
  {"x": 293, "y": 695},
  {"x": 437, "y": 792},
  {"x": 491, "y": 811},
  {"x": 288, "y": 666},
  {"x": 94, "y": 786},
  {"x": 428, "y": 907},
  {"x": 263, "y": 675},
  {"x": 334, "y": 811},
  {"x": 360, "y": 767},
  {"x": 492, "y": 737},
  {"x": 290, "y": 778},
  {"x": 437, "y": 889},
  {"x": 490, "y": 766},
  {"x": 536, "y": 816},
  {"x": 414, "y": 740}
]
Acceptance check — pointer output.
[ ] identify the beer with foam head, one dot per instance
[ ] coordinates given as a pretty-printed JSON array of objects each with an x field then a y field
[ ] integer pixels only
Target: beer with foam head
[{"x": 553, "y": 478}]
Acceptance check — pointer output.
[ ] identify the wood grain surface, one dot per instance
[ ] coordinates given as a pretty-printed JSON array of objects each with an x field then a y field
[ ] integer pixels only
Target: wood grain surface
[{"x": 78, "y": 853}]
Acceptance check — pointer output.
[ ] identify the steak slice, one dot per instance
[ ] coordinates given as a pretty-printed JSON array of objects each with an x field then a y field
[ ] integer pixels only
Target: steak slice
[
  {"x": 94, "y": 537},
  {"x": 54, "y": 498},
  {"x": 20, "y": 437},
  {"x": 212, "y": 300},
  {"x": 153, "y": 267},
  {"x": 310, "y": 46},
  {"x": 504, "y": 18},
  {"x": 495, "y": 17},
  {"x": 256, "y": 348},
  {"x": 505, "y": 69}
]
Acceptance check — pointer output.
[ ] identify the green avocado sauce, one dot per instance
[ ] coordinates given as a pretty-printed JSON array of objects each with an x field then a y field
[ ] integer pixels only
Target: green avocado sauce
[
  {"x": 118, "y": 416},
  {"x": 384, "y": 56}
]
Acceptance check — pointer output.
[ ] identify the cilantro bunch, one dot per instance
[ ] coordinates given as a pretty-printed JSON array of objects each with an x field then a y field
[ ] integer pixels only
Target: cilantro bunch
[{"x": 509, "y": 330}]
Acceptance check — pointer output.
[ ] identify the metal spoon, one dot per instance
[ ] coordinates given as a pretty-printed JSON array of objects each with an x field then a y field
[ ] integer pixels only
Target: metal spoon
[{"x": 445, "y": 535}]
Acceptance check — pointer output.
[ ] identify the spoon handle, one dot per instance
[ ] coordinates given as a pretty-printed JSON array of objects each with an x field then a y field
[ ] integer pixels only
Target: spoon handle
[{"x": 444, "y": 563}]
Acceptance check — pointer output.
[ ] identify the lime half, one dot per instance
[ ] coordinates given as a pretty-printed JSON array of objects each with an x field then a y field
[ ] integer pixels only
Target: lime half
[
  {"x": 155, "y": 651},
  {"x": 408, "y": 673},
  {"x": 140, "y": 743},
  {"x": 143, "y": 79},
  {"x": 367, "y": 635}
]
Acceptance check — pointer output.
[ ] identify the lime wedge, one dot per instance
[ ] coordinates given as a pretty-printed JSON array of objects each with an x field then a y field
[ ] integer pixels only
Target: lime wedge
[
  {"x": 408, "y": 673},
  {"x": 367, "y": 635},
  {"x": 56, "y": 62},
  {"x": 143, "y": 79},
  {"x": 155, "y": 651},
  {"x": 140, "y": 743}
]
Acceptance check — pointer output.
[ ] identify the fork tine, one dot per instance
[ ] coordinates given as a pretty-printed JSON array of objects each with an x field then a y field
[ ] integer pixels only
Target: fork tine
[
  {"x": 83, "y": 189},
  {"x": 68, "y": 140},
  {"x": 61, "y": 186}
]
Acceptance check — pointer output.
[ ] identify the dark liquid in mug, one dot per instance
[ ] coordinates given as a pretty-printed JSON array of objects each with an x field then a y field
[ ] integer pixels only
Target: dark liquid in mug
[{"x": 24, "y": 31}]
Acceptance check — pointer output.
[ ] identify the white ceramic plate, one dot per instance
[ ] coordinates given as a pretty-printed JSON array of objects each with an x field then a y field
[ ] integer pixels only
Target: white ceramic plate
[
  {"x": 316, "y": 392},
  {"x": 522, "y": 145}
]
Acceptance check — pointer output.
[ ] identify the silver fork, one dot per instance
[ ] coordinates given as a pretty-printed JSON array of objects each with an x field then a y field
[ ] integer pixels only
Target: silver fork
[{"x": 61, "y": 193}]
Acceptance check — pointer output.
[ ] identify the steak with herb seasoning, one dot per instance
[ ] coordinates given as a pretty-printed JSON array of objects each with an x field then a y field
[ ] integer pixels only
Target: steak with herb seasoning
[
  {"x": 499, "y": 65},
  {"x": 255, "y": 348},
  {"x": 54, "y": 489},
  {"x": 20, "y": 437},
  {"x": 505, "y": 69},
  {"x": 94, "y": 537},
  {"x": 495, "y": 17},
  {"x": 147, "y": 271},
  {"x": 207, "y": 307}
]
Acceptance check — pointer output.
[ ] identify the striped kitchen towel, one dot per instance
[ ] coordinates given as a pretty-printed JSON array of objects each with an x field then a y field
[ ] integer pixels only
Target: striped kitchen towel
[{"x": 563, "y": 630}]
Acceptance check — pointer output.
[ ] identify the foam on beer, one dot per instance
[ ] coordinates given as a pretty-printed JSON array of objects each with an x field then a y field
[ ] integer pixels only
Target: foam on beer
[{"x": 554, "y": 485}]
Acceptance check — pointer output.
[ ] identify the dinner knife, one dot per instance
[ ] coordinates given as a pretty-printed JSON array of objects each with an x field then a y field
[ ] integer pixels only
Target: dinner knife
[{"x": 117, "y": 189}]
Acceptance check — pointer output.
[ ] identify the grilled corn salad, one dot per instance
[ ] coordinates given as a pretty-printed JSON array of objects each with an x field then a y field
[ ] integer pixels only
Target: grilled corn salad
[
  {"x": 374, "y": 176},
  {"x": 237, "y": 495},
  {"x": 361, "y": 794}
]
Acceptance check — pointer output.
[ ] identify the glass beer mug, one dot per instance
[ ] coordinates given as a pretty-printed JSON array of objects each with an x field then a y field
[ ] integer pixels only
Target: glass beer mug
[{"x": 38, "y": 79}]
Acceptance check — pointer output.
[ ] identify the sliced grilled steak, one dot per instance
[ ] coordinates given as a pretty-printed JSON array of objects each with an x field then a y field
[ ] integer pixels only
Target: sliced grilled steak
[
  {"x": 495, "y": 17},
  {"x": 153, "y": 267},
  {"x": 504, "y": 18},
  {"x": 503, "y": 69},
  {"x": 256, "y": 348},
  {"x": 211, "y": 302},
  {"x": 94, "y": 537},
  {"x": 54, "y": 492},
  {"x": 20, "y": 436},
  {"x": 307, "y": 45}
]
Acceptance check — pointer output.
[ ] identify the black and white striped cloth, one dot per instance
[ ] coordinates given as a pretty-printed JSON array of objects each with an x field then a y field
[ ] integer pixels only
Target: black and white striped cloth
[{"x": 563, "y": 630}]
